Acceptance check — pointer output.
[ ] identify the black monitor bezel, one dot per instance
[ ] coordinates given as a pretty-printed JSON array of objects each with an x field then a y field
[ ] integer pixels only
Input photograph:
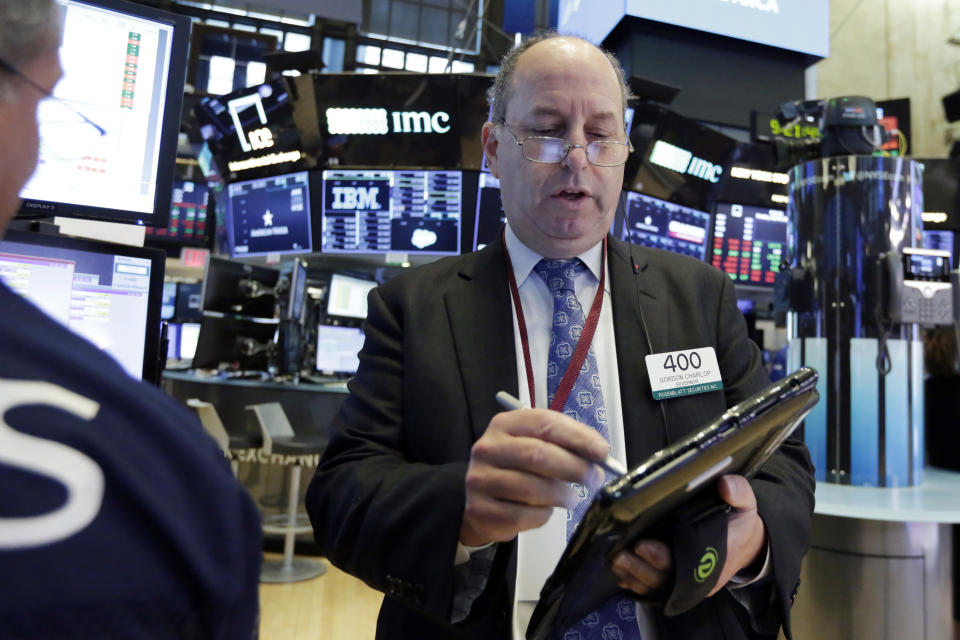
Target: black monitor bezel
[
  {"x": 151, "y": 349},
  {"x": 220, "y": 270},
  {"x": 169, "y": 130}
]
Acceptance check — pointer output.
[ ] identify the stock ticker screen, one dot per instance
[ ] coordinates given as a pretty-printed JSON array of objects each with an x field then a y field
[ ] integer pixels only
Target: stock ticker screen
[
  {"x": 666, "y": 225},
  {"x": 188, "y": 214},
  {"x": 386, "y": 211},
  {"x": 748, "y": 242}
]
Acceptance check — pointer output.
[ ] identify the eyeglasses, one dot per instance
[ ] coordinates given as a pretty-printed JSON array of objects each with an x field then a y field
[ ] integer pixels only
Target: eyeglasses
[
  {"x": 547, "y": 150},
  {"x": 9, "y": 68}
]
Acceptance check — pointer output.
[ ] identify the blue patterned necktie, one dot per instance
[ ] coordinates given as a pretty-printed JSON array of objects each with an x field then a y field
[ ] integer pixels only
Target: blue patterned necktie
[{"x": 616, "y": 619}]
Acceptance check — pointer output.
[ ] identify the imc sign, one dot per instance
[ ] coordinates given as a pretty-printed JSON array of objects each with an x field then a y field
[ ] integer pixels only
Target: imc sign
[
  {"x": 376, "y": 122},
  {"x": 402, "y": 120}
]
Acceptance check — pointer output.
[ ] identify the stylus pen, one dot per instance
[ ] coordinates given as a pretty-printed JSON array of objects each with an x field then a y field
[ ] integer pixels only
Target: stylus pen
[{"x": 609, "y": 463}]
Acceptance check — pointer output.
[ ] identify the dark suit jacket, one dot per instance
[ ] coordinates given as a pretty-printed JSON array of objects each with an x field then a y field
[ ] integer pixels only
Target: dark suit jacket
[{"x": 388, "y": 496}]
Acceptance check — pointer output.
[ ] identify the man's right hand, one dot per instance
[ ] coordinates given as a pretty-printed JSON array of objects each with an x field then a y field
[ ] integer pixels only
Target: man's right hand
[{"x": 521, "y": 468}]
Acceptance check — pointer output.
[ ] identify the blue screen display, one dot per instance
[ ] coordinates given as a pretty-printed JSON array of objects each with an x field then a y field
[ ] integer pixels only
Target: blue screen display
[
  {"x": 270, "y": 215},
  {"x": 667, "y": 225}
]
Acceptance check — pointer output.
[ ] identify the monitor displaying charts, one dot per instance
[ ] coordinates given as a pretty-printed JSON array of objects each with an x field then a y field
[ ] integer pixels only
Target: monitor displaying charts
[
  {"x": 748, "y": 242},
  {"x": 123, "y": 69},
  {"x": 188, "y": 223},
  {"x": 392, "y": 211},
  {"x": 270, "y": 215},
  {"x": 666, "y": 225}
]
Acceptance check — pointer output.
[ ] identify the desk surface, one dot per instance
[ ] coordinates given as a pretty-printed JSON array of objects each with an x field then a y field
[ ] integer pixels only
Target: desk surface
[
  {"x": 936, "y": 500},
  {"x": 191, "y": 377}
]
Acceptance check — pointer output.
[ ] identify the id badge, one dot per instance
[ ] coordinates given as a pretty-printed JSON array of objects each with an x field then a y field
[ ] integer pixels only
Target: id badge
[{"x": 683, "y": 373}]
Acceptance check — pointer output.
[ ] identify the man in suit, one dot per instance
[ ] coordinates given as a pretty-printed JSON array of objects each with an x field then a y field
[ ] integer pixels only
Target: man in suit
[{"x": 432, "y": 495}]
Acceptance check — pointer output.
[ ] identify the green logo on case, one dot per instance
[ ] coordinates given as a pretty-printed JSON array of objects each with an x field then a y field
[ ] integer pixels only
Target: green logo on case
[{"x": 708, "y": 562}]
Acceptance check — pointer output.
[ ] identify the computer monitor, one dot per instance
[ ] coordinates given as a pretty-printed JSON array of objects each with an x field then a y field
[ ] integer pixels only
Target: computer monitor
[
  {"x": 238, "y": 288},
  {"x": 187, "y": 342},
  {"x": 189, "y": 302},
  {"x": 392, "y": 211},
  {"x": 270, "y": 215},
  {"x": 168, "y": 305},
  {"x": 666, "y": 225},
  {"x": 490, "y": 217},
  {"x": 347, "y": 296},
  {"x": 243, "y": 343},
  {"x": 124, "y": 67},
  {"x": 297, "y": 294},
  {"x": 748, "y": 242},
  {"x": 942, "y": 241},
  {"x": 109, "y": 294},
  {"x": 190, "y": 217},
  {"x": 337, "y": 349}
]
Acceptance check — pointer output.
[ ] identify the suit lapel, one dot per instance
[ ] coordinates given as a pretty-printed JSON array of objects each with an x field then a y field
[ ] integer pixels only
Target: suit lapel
[
  {"x": 642, "y": 421},
  {"x": 478, "y": 306}
]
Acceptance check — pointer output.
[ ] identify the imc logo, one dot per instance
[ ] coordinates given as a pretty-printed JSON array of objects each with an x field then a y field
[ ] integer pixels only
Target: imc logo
[
  {"x": 355, "y": 198},
  {"x": 380, "y": 122}
]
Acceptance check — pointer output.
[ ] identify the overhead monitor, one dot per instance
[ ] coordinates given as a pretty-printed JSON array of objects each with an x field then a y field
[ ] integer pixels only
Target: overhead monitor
[
  {"x": 490, "y": 217},
  {"x": 748, "y": 242},
  {"x": 168, "y": 306},
  {"x": 347, "y": 296},
  {"x": 666, "y": 225},
  {"x": 124, "y": 67},
  {"x": 189, "y": 224},
  {"x": 238, "y": 288},
  {"x": 109, "y": 294},
  {"x": 384, "y": 211},
  {"x": 270, "y": 215},
  {"x": 337, "y": 349}
]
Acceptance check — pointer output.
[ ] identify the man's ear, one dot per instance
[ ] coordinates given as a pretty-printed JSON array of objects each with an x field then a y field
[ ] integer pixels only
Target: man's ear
[{"x": 488, "y": 138}]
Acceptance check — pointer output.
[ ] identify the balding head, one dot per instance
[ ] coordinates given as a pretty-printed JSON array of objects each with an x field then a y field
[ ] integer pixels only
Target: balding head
[{"x": 499, "y": 94}]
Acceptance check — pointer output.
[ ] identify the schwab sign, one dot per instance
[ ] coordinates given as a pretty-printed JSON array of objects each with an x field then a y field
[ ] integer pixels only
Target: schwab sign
[{"x": 787, "y": 24}]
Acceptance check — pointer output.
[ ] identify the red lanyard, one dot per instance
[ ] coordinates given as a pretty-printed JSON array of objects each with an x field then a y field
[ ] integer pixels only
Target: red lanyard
[{"x": 583, "y": 344}]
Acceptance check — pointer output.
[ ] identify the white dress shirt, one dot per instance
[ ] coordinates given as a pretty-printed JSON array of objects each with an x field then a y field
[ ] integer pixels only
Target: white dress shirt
[{"x": 539, "y": 549}]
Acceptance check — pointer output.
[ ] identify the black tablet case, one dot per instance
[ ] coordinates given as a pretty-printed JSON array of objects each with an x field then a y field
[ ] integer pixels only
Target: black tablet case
[{"x": 641, "y": 503}]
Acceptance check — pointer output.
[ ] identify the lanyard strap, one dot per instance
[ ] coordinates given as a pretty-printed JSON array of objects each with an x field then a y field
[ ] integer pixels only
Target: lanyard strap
[{"x": 583, "y": 344}]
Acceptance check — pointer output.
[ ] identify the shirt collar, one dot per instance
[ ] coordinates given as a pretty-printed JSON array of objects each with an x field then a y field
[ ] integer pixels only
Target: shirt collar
[{"x": 525, "y": 259}]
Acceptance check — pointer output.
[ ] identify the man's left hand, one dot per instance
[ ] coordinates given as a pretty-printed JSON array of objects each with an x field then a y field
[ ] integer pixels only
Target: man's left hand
[
  {"x": 746, "y": 533},
  {"x": 647, "y": 568}
]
